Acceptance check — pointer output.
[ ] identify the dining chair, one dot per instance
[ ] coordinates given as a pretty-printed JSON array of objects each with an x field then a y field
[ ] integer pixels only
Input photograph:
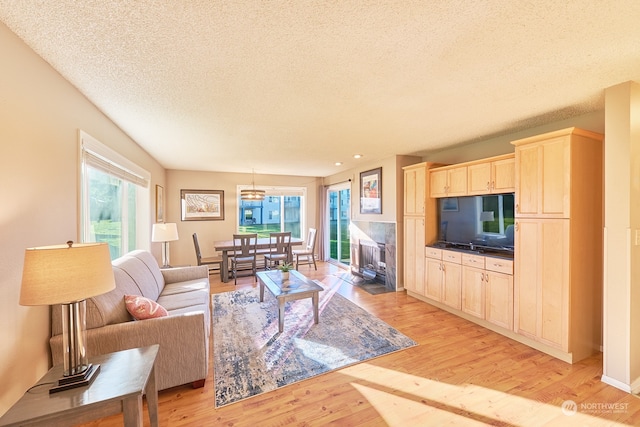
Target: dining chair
[
  {"x": 244, "y": 255},
  {"x": 307, "y": 254},
  {"x": 208, "y": 261},
  {"x": 279, "y": 249}
]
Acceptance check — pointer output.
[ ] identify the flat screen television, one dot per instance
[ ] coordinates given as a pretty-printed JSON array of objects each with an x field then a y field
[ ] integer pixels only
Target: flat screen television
[{"x": 485, "y": 221}]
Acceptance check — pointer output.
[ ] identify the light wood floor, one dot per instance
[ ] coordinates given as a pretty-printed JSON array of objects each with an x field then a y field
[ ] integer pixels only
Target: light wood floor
[{"x": 460, "y": 373}]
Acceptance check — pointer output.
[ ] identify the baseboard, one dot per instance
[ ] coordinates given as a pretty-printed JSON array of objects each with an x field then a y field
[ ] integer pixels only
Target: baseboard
[{"x": 619, "y": 384}]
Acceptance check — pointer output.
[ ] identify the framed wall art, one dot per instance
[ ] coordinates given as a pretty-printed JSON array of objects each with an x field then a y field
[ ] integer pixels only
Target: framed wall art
[
  {"x": 202, "y": 205},
  {"x": 371, "y": 191},
  {"x": 159, "y": 203}
]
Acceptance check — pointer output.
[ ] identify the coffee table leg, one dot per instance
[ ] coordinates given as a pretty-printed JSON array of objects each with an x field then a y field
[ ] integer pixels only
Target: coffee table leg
[
  {"x": 261, "y": 290},
  {"x": 132, "y": 411},
  {"x": 314, "y": 301},
  {"x": 281, "y": 315}
]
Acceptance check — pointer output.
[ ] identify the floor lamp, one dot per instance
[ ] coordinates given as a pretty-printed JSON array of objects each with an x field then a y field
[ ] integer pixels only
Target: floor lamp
[
  {"x": 165, "y": 233},
  {"x": 67, "y": 275}
]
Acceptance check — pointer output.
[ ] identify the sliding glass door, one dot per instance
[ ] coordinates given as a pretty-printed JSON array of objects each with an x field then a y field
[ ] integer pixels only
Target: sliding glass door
[{"x": 338, "y": 218}]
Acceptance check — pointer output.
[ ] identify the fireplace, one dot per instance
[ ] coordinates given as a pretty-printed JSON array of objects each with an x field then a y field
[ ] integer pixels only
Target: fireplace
[
  {"x": 373, "y": 252},
  {"x": 371, "y": 261}
]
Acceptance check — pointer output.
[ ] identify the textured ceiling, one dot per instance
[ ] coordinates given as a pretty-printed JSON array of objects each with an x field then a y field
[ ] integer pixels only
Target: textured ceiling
[{"x": 291, "y": 87}]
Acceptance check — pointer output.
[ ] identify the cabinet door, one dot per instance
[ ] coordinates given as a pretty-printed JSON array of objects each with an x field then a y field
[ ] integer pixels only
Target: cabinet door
[
  {"x": 543, "y": 179},
  {"x": 503, "y": 176},
  {"x": 452, "y": 285},
  {"x": 541, "y": 282},
  {"x": 554, "y": 288},
  {"x": 414, "y": 187},
  {"x": 414, "y": 254},
  {"x": 527, "y": 277},
  {"x": 438, "y": 183},
  {"x": 473, "y": 292},
  {"x": 479, "y": 178},
  {"x": 433, "y": 282},
  {"x": 555, "y": 178},
  {"x": 527, "y": 180},
  {"x": 499, "y": 303},
  {"x": 457, "y": 182}
]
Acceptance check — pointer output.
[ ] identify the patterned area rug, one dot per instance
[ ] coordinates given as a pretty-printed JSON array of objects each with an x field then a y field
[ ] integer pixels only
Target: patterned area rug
[{"x": 252, "y": 357}]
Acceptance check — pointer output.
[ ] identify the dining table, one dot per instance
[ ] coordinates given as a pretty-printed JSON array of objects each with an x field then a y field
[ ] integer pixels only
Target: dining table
[{"x": 226, "y": 248}]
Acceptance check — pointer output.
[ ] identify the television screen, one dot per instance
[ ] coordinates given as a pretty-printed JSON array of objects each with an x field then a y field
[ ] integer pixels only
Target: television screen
[{"x": 479, "y": 220}]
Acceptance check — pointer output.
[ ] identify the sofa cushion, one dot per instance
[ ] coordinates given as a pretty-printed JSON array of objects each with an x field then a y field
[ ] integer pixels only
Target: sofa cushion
[
  {"x": 144, "y": 270},
  {"x": 142, "y": 308}
]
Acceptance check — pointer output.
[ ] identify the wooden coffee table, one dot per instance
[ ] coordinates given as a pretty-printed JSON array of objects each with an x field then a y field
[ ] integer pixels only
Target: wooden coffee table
[{"x": 297, "y": 287}]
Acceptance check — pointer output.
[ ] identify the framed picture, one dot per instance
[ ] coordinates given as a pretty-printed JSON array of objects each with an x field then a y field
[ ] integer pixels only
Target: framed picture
[
  {"x": 371, "y": 191},
  {"x": 202, "y": 205},
  {"x": 450, "y": 204},
  {"x": 159, "y": 204}
]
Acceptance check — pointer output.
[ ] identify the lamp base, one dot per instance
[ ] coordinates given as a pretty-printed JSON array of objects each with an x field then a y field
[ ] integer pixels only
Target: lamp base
[{"x": 79, "y": 380}]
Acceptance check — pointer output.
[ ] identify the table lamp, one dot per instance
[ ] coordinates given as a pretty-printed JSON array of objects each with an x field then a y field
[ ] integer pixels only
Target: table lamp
[
  {"x": 165, "y": 233},
  {"x": 67, "y": 275}
]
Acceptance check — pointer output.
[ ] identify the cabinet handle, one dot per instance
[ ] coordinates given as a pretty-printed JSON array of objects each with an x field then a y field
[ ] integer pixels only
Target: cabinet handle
[
  {"x": 488, "y": 185},
  {"x": 443, "y": 269},
  {"x": 482, "y": 277},
  {"x": 517, "y": 226},
  {"x": 486, "y": 278},
  {"x": 517, "y": 207},
  {"x": 493, "y": 185}
]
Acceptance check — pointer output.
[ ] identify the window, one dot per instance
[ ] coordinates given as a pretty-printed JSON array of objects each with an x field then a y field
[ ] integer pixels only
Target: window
[
  {"x": 114, "y": 194},
  {"x": 281, "y": 210}
]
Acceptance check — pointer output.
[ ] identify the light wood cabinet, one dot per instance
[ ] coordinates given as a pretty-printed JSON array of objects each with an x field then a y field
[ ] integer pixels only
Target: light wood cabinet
[
  {"x": 499, "y": 299},
  {"x": 473, "y": 291},
  {"x": 443, "y": 277},
  {"x": 452, "y": 279},
  {"x": 543, "y": 178},
  {"x": 448, "y": 182},
  {"x": 414, "y": 254},
  {"x": 419, "y": 225},
  {"x": 414, "y": 190},
  {"x": 487, "y": 289},
  {"x": 495, "y": 176},
  {"x": 558, "y": 239},
  {"x": 541, "y": 292}
]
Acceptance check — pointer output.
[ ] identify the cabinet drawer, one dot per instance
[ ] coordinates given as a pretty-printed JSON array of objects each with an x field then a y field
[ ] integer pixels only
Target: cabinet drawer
[
  {"x": 433, "y": 253},
  {"x": 499, "y": 265},
  {"x": 473, "y": 260},
  {"x": 452, "y": 256}
]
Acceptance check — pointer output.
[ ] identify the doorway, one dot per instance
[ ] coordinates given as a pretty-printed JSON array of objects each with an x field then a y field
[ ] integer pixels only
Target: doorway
[{"x": 338, "y": 220}]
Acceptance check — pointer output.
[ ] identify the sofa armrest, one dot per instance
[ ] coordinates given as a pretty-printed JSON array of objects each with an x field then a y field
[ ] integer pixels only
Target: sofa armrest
[
  {"x": 183, "y": 274},
  {"x": 184, "y": 345}
]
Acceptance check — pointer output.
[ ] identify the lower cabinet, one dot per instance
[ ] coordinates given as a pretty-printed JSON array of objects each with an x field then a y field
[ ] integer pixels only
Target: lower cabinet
[
  {"x": 443, "y": 277},
  {"x": 487, "y": 289},
  {"x": 414, "y": 254},
  {"x": 478, "y": 285}
]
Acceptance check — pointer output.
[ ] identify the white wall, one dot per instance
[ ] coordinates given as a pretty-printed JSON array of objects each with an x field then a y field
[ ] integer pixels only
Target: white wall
[{"x": 40, "y": 116}]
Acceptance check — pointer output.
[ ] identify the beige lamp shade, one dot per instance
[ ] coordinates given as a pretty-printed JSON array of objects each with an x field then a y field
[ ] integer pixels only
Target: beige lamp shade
[
  {"x": 65, "y": 273},
  {"x": 162, "y": 232}
]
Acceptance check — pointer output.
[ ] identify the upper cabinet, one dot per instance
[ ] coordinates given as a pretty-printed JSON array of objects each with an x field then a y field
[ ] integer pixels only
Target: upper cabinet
[
  {"x": 414, "y": 189},
  {"x": 495, "y": 176},
  {"x": 486, "y": 176},
  {"x": 544, "y": 169},
  {"x": 448, "y": 182}
]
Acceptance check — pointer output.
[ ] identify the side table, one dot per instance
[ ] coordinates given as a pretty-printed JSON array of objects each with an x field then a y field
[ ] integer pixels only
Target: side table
[{"x": 123, "y": 379}]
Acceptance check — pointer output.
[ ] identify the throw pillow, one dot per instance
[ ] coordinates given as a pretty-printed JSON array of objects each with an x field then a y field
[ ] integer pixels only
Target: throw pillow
[{"x": 142, "y": 308}]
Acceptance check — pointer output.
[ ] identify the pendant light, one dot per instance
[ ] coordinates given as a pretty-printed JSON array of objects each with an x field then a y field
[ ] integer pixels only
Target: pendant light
[{"x": 252, "y": 194}]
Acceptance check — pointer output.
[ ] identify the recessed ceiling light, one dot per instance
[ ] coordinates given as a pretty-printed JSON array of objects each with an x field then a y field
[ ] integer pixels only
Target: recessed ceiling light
[
  {"x": 357, "y": 156},
  {"x": 338, "y": 163}
]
